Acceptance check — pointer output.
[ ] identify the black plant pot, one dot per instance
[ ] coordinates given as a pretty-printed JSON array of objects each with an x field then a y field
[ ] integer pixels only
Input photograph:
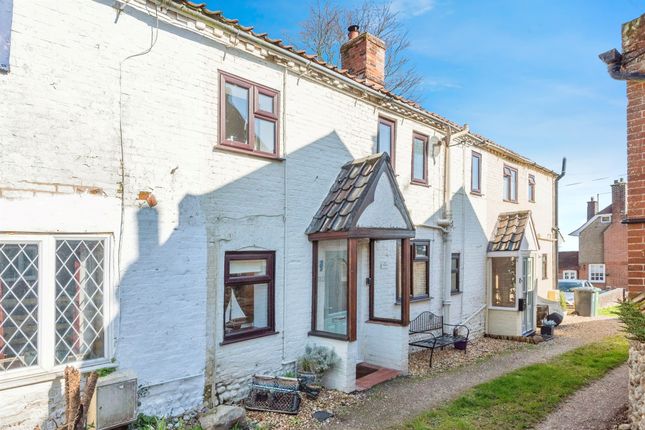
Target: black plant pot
[
  {"x": 461, "y": 344},
  {"x": 546, "y": 330}
]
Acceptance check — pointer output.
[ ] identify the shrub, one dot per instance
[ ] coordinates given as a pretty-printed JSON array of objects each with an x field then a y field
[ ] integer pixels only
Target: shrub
[
  {"x": 317, "y": 359},
  {"x": 633, "y": 320}
]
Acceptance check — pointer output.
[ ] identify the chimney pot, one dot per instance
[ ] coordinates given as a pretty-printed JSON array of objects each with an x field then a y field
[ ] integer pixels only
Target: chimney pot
[{"x": 353, "y": 32}]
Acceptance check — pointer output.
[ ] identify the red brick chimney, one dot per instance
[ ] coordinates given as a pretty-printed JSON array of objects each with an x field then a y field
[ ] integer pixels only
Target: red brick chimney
[
  {"x": 592, "y": 208},
  {"x": 634, "y": 62},
  {"x": 364, "y": 55},
  {"x": 618, "y": 200}
]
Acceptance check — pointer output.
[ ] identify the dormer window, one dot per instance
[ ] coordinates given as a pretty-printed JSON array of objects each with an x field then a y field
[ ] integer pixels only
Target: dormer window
[{"x": 248, "y": 116}]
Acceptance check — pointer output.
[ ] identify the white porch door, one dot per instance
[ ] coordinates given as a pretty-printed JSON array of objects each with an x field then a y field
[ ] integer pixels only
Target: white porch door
[{"x": 528, "y": 319}]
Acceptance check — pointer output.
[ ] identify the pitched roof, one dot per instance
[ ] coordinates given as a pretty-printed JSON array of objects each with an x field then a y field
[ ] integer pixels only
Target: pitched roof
[
  {"x": 216, "y": 15},
  {"x": 568, "y": 260},
  {"x": 605, "y": 211},
  {"x": 509, "y": 231},
  {"x": 351, "y": 192}
]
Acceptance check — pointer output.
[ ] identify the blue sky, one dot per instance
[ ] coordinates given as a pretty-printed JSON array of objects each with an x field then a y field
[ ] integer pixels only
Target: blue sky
[{"x": 525, "y": 74}]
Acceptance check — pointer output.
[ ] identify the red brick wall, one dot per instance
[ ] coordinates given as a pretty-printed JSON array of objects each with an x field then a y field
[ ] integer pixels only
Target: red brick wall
[
  {"x": 615, "y": 240},
  {"x": 634, "y": 61}
]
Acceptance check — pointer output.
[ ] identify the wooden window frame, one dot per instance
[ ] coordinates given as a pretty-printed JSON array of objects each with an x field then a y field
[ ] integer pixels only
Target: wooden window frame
[
  {"x": 392, "y": 124},
  {"x": 254, "y": 113},
  {"x": 512, "y": 198},
  {"x": 425, "y": 140},
  {"x": 352, "y": 261},
  {"x": 405, "y": 277},
  {"x": 476, "y": 155},
  {"x": 413, "y": 258},
  {"x": 532, "y": 188},
  {"x": 458, "y": 282},
  {"x": 268, "y": 279}
]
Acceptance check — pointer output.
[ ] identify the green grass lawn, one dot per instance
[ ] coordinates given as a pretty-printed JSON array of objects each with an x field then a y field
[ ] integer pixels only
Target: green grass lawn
[
  {"x": 609, "y": 311},
  {"x": 522, "y": 398}
]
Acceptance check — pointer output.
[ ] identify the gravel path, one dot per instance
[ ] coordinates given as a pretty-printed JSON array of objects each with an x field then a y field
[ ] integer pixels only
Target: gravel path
[
  {"x": 397, "y": 401},
  {"x": 593, "y": 407}
]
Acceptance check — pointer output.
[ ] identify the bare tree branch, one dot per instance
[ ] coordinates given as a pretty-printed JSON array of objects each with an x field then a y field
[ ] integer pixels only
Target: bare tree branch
[{"x": 323, "y": 32}]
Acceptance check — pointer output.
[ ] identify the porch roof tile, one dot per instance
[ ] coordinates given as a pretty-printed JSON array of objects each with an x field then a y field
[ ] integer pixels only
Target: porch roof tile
[{"x": 509, "y": 231}]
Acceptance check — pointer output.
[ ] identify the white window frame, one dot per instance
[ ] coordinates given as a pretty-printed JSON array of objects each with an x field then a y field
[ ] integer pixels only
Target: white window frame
[
  {"x": 46, "y": 368},
  {"x": 605, "y": 219},
  {"x": 598, "y": 271},
  {"x": 567, "y": 274}
]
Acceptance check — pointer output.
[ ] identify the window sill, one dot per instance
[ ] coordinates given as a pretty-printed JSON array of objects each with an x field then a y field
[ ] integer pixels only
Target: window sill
[
  {"x": 421, "y": 184},
  {"x": 414, "y": 300},
  {"x": 328, "y": 335},
  {"x": 37, "y": 376},
  {"x": 249, "y": 336},
  {"x": 476, "y": 193},
  {"x": 456, "y": 293},
  {"x": 237, "y": 150},
  {"x": 510, "y": 201},
  {"x": 386, "y": 322}
]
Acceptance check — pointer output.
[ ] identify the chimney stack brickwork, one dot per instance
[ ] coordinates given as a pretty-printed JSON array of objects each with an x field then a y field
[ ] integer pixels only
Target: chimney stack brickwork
[
  {"x": 364, "y": 55},
  {"x": 592, "y": 208},
  {"x": 633, "y": 34},
  {"x": 618, "y": 200}
]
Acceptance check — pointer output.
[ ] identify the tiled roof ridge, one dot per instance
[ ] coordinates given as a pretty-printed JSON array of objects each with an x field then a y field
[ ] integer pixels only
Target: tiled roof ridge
[{"x": 219, "y": 16}]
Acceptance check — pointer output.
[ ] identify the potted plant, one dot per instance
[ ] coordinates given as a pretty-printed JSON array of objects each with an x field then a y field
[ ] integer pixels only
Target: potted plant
[
  {"x": 460, "y": 344},
  {"x": 313, "y": 364},
  {"x": 547, "y": 327}
]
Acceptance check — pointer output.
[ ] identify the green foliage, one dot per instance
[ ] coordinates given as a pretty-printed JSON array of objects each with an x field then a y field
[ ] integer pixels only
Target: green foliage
[
  {"x": 521, "y": 399},
  {"x": 105, "y": 371},
  {"x": 563, "y": 302},
  {"x": 147, "y": 422},
  {"x": 609, "y": 311},
  {"x": 290, "y": 374},
  {"x": 317, "y": 359},
  {"x": 633, "y": 320}
]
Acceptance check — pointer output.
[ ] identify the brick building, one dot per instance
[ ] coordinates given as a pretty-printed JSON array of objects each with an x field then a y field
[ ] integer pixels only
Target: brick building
[{"x": 602, "y": 242}]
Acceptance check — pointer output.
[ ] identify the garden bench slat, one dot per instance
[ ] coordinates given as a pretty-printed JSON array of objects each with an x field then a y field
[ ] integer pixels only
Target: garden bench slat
[{"x": 426, "y": 323}]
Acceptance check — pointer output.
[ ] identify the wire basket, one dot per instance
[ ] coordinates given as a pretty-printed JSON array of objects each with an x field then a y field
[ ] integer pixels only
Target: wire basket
[{"x": 273, "y": 394}]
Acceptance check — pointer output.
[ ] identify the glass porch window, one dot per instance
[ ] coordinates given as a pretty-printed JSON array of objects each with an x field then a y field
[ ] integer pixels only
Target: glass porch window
[
  {"x": 503, "y": 282},
  {"x": 332, "y": 287},
  {"x": 385, "y": 256}
]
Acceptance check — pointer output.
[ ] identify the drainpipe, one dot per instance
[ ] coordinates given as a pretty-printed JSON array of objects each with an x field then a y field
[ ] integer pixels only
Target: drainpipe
[
  {"x": 614, "y": 61},
  {"x": 556, "y": 219},
  {"x": 446, "y": 221}
]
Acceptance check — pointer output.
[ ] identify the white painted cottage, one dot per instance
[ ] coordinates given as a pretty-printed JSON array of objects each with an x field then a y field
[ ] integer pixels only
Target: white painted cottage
[{"x": 192, "y": 201}]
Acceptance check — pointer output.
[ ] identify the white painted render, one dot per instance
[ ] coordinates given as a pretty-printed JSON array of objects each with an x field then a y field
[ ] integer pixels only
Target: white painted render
[{"x": 68, "y": 114}]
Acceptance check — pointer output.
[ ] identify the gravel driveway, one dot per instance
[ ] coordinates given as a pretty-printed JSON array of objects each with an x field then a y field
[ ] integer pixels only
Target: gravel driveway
[
  {"x": 593, "y": 407},
  {"x": 392, "y": 403}
]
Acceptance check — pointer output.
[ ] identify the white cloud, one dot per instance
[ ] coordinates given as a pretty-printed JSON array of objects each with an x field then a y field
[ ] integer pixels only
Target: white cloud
[{"x": 412, "y": 8}]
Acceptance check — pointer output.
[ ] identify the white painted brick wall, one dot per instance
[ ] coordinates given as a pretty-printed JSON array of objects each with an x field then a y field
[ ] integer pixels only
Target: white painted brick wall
[{"x": 59, "y": 124}]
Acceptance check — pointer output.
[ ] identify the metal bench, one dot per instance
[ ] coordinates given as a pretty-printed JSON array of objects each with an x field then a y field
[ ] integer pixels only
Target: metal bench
[{"x": 427, "y": 323}]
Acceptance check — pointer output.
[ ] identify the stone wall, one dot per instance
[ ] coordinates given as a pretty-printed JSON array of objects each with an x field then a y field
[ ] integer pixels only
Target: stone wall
[{"x": 637, "y": 385}]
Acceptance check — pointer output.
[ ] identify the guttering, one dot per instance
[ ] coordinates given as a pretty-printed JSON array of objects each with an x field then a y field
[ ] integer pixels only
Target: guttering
[
  {"x": 614, "y": 61},
  {"x": 556, "y": 218}
]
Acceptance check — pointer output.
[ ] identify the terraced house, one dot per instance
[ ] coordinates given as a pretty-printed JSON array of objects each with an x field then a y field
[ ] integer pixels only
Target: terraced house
[{"x": 191, "y": 201}]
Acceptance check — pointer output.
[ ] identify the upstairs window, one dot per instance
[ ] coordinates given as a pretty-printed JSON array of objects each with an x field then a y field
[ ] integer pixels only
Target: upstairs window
[
  {"x": 476, "y": 173},
  {"x": 248, "y": 116},
  {"x": 419, "y": 159},
  {"x": 6, "y": 14},
  {"x": 510, "y": 184},
  {"x": 385, "y": 141},
  {"x": 455, "y": 287},
  {"x": 531, "y": 188},
  {"x": 248, "y": 294}
]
